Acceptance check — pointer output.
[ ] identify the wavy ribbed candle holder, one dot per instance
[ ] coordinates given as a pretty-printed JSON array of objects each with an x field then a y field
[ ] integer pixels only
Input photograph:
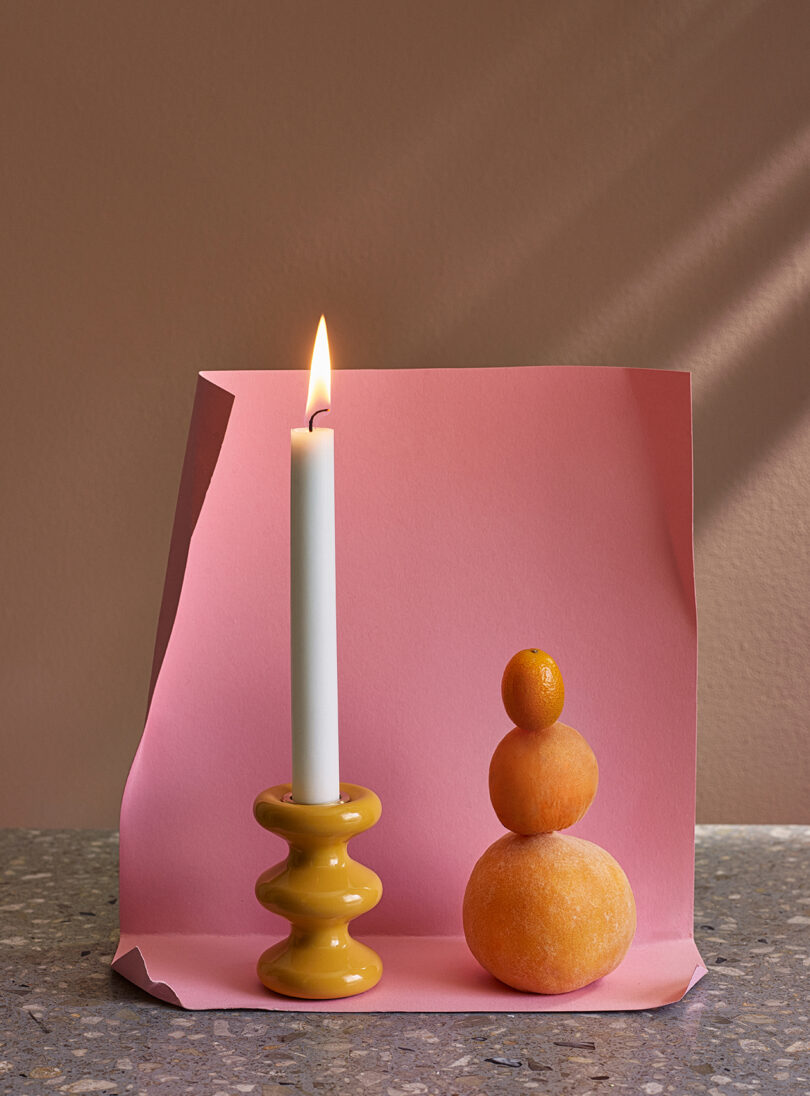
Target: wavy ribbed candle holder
[{"x": 319, "y": 889}]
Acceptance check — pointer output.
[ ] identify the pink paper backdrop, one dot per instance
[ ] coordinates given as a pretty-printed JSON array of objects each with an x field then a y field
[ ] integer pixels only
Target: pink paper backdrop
[{"x": 478, "y": 511}]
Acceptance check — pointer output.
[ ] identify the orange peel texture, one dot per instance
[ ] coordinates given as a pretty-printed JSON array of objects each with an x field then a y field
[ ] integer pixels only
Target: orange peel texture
[
  {"x": 548, "y": 913},
  {"x": 532, "y": 689},
  {"x": 542, "y": 780}
]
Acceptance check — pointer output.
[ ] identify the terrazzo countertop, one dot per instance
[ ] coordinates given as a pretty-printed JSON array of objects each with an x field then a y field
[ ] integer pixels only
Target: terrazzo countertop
[{"x": 69, "y": 1024}]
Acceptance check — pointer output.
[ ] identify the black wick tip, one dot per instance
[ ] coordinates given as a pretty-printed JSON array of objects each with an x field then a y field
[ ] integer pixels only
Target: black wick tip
[{"x": 320, "y": 411}]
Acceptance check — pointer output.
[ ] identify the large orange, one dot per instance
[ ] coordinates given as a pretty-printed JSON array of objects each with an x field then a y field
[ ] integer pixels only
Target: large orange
[
  {"x": 548, "y": 913},
  {"x": 542, "y": 780},
  {"x": 532, "y": 689}
]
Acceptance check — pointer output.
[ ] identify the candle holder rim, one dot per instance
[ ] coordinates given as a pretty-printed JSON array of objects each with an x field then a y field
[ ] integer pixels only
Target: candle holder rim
[
  {"x": 342, "y": 799},
  {"x": 360, "y": 810}
]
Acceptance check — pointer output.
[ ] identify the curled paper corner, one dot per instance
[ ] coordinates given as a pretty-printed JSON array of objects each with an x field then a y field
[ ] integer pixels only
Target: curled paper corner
[
  {"x": 699, "y": 971},
  {"x": 679, "y": 989},
  {"x": 132, "y": 966}
]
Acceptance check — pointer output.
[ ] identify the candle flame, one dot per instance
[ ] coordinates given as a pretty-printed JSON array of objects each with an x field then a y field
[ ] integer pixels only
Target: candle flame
[{"x": 320, "y": 373}]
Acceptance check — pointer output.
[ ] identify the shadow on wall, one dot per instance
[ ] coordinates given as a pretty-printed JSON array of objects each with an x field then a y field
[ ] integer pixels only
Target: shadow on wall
[
  {"x": 727, "y": 297},
  {"x": 713, "y": 279}
]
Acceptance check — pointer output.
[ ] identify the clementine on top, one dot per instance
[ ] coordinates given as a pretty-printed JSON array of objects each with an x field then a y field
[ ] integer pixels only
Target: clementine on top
[{"x": 532, "y": 690}]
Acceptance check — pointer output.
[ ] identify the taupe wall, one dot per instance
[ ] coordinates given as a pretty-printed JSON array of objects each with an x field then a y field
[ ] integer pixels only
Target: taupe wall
[{"x": 186, "y": 186}]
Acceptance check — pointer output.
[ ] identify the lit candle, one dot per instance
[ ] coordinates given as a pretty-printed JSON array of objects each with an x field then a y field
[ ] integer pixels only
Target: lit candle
[{"x": 313, "y": 616}]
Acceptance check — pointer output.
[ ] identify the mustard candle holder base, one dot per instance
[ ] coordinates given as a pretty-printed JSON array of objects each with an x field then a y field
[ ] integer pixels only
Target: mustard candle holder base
[{"x": 319, "y": 889}]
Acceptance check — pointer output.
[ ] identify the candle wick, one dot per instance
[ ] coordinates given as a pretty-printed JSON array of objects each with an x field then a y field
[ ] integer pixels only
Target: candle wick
[{"x": 320, "y": 411}]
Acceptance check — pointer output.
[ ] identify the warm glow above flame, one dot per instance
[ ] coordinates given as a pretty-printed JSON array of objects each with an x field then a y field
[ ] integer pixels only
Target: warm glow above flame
[{"x": 320, "y": 374}]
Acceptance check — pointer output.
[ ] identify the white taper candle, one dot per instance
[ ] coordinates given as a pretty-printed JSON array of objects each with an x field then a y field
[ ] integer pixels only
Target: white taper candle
[{"x": 313, "y": 612}]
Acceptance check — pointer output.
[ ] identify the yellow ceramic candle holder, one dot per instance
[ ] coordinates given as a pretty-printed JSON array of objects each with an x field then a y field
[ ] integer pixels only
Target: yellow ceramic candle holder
[{"x": 319, "y": 889}]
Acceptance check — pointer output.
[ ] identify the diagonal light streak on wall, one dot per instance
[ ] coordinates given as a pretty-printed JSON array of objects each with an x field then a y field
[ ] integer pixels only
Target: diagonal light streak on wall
[
  {"x": 673, "y": 268},
  {"x": 756, "y": 390},
  {"x": 495, "y": 257},
  {"x": 782, "y": 288}
]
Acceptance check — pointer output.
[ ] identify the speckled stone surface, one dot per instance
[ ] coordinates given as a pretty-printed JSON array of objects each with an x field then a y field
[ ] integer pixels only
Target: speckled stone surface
[{"x": 71, "y": 1025}]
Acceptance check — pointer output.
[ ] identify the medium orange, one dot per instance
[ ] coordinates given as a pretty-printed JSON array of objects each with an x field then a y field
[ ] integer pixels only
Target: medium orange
[
  {"x": 532, "y": 690},
  {"x": 542, "y": 780},
  {"x": 548, "y": 913}
]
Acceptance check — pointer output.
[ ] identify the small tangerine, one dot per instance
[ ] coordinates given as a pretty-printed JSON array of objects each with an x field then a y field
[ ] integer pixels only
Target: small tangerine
[{"x": 532, "y": 689}]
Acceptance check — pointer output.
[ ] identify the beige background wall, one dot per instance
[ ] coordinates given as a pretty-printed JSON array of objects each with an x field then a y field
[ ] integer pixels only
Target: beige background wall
[{"x": 185, "y": 186}]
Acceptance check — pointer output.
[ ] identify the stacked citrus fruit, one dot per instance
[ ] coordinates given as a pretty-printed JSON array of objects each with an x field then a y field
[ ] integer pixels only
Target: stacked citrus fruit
[{"x": 543, "y": 911}]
